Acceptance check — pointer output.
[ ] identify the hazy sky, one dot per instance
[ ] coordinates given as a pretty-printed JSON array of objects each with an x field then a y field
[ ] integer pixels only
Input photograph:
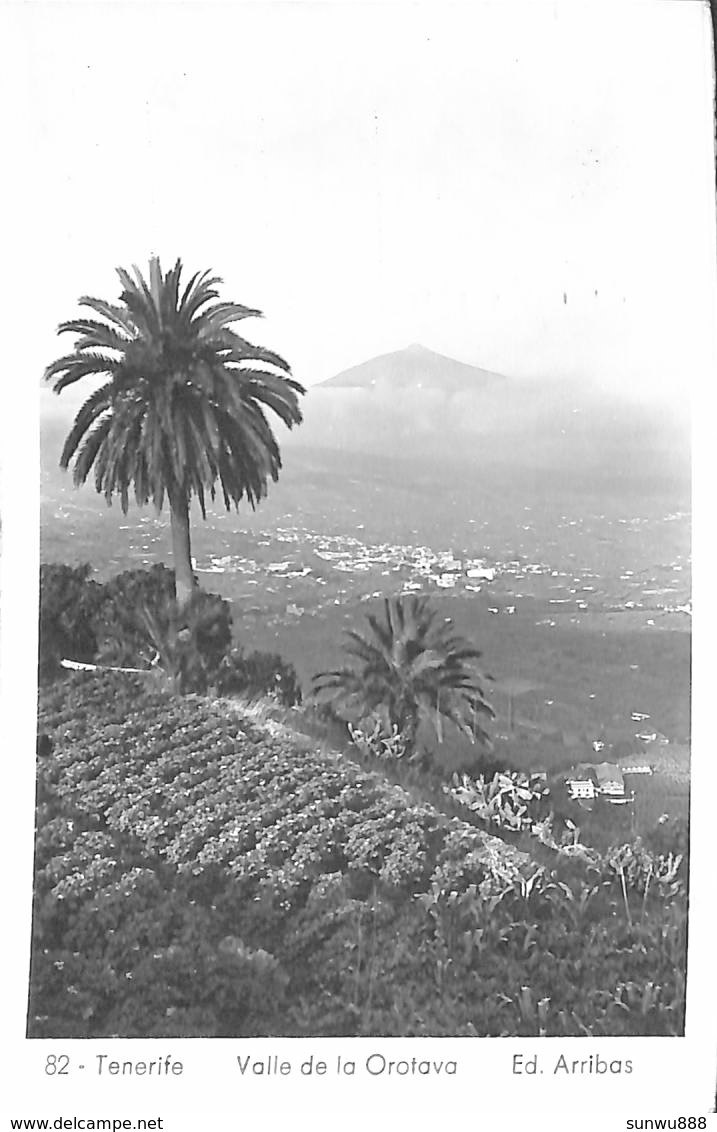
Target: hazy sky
[{"x": 525, "y": 188}]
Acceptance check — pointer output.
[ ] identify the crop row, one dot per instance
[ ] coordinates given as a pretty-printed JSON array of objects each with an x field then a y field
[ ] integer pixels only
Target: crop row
[
  {"x": 262, "y": 810},
  {"x": 196, "y": 876}
]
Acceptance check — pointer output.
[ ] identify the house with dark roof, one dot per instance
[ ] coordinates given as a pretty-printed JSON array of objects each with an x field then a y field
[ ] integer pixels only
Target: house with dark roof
[{"x": 609, "y": 779}]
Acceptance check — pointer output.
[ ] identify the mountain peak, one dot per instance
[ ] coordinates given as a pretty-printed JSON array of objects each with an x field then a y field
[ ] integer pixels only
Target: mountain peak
[{"x": 413, "y": 367}]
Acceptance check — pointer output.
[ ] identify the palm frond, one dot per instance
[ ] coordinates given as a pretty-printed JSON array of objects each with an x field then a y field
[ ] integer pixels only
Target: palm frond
[
  {"x": 137, "y": 297},
  {"x": 221, "y": 314},
  {"x": 73, "y": 367},
  {"x": 91, "y": 448},
  {"x": 94, "y": 333},
  {"x": 116, "y": 315},
  {"x": 239, "y": 350},
  {"x": 201, "y": 290},
  {"x": 93, "y": 407}
]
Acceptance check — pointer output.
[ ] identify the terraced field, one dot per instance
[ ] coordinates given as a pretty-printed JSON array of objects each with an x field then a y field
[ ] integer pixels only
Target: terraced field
[{"x": 199, "y": 875}]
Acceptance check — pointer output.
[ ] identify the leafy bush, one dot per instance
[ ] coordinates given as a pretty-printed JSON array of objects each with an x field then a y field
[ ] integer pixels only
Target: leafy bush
[
  {"x": 131, "y": 945},
  {"x": 258, "y": 674},
  {"x": 121, "y": 631},
  {"x": 373, "y": 739},
  {"x": 132, "y": 621},
  {"x": 69, "y": 600},
  {"x": 190, "y": 643},
  {"x": 508, "y": 800},
  {"x": 562, "y": 958},
  {"x": 138, "y": 618},
  {"x": 198, "y": 876}
]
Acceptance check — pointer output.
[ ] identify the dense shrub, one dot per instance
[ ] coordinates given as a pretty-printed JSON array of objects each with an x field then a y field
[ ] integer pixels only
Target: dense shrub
[
  {"x": 374, "y": 740},
  {"x": 257, "y": 674},
  {"x": 123, "y": 636},
  {"x": 197, "y": 876},
  {"x": 132, "y": 621},
  {"x": 507, "y": 800},
  {"x": 69, "y": 601},
  {"x": 190, "y": 643},
  {"x": 138, "y": 619},
  {"x": 137, "y": 957}
]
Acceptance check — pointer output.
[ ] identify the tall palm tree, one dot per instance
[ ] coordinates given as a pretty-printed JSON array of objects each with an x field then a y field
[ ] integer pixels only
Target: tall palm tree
[
  {"x": 183, "y": 402},
  {"x": 409, "y": 668}
]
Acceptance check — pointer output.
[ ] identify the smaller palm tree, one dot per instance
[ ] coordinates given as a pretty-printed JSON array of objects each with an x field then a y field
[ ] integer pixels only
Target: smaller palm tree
[{"x": 409, "y": 669}]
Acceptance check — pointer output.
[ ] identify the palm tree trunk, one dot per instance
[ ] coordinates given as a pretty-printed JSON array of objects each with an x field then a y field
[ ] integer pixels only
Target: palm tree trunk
[{"x": 184, "y": 580}]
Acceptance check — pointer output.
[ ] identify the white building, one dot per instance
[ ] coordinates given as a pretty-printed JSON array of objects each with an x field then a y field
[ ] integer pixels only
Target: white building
[
  {"x": 449, "y": 563},
  {"x": 609, "y": 779},
  {"x": 485, "y": 572},
  {"x": 446, "y": 581},
  {"x": 581, "y": 787}
]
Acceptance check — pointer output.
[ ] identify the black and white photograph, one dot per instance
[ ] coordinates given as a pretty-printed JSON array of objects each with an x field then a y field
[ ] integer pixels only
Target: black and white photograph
[{"x": 362, "y": 356}]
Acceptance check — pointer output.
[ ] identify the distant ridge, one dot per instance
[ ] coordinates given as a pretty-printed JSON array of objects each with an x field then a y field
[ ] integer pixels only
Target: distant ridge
[{"x": 415, "y": 367}]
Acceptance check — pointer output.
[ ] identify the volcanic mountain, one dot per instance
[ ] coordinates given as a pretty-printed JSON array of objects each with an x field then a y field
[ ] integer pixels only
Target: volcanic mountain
[
  {"x": 414, "y": 367},
  {"x": 416, "y": 404},
  {"x": 448, "y": 423}
]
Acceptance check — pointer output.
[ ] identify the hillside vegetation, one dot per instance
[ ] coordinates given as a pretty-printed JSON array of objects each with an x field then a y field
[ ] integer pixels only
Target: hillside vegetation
[{"x": 197, "y": 875}]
